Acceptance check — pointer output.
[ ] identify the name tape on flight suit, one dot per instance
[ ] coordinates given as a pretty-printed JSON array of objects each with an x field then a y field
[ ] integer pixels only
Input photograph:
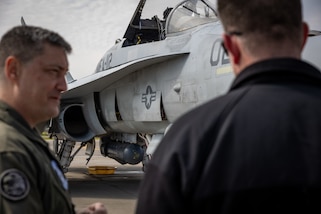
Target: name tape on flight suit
[{"x": 63, "y": 179}]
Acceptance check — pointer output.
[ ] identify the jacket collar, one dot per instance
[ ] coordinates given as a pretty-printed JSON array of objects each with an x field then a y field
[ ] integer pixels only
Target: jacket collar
[
  {"x": 11, "y": 117},
  {"x": 279, "y": 69}
]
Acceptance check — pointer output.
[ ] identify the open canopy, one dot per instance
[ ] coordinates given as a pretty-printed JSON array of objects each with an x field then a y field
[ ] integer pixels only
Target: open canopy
[{"x": 154, "y": 20}]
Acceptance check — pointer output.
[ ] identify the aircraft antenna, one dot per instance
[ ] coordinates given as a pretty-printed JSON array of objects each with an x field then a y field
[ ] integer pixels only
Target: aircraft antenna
[{"x": 23, "y": 23}]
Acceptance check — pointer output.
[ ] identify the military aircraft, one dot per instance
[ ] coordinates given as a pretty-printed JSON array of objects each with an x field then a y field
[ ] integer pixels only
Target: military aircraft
[{"x": 162, "y": 68}]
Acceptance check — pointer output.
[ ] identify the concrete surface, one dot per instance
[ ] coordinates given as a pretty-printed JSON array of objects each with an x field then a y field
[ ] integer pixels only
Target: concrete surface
[{"x": 117, "y": 191}]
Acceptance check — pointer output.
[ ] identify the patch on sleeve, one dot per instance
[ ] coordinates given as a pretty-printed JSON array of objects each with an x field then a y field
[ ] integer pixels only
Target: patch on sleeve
[{"x": 14, "y": 185}]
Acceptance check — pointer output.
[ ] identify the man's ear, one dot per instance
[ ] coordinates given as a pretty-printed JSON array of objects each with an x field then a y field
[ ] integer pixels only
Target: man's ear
[
  {"x": 305, "y": 35},
  {"x": 11, "y": 69},
  {"x": 232, "y": 48}
]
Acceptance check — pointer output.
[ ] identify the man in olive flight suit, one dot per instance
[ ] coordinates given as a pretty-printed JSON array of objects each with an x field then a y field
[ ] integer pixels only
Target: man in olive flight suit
[{"x": 33, "y": 64}]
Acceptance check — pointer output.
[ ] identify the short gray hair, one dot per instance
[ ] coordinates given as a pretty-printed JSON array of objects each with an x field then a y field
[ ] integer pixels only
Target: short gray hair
[{"x": 27, "y": 42}]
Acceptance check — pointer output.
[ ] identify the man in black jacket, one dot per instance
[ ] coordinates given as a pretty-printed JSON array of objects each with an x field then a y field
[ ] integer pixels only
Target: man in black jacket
[{"x": 256, "y": 149}]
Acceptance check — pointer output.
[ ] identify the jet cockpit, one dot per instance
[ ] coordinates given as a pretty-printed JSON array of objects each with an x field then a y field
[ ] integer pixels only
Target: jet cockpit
[
  {"x": 190, "y": 14},
  {"x": 185, "y": 15}
]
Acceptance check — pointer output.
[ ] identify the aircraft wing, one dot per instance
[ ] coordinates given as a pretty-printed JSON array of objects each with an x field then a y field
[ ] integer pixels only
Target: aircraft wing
[{"x": 101, "y": 80}]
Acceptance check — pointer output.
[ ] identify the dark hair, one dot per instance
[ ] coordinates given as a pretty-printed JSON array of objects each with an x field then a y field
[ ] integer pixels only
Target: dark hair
[
  {"x": 27, "y": 42},
  {"x": 272, "y": 20}
]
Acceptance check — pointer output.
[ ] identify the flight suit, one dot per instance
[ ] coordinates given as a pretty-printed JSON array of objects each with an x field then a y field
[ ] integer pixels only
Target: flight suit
[{"x": 31, "y": 180}]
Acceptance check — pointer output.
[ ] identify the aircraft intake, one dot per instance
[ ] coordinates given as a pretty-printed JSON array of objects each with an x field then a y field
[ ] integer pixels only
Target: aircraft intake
[
  {"x": 124, "y": 153},
  {"x": 73, "y": 124}
]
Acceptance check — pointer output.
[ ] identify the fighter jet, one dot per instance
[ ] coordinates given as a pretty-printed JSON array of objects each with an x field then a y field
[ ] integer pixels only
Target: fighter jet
[{"x": 165, "y": 65}]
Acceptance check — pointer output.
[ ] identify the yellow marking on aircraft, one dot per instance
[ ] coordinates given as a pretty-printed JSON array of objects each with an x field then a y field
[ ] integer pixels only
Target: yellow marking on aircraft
[{"x": 224, "y": 70}]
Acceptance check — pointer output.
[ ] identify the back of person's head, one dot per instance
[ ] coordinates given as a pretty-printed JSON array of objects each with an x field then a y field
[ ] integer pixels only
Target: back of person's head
[
  {"x": 27, "y": 42},
  {"x": 263, "y": 22}
]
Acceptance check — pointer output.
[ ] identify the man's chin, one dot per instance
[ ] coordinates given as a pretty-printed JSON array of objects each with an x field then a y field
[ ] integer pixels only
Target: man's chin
[{"x": 53, "y": 113}]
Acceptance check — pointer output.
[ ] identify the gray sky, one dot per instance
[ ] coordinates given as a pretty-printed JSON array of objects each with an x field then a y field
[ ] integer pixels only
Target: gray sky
[{"x": 92, "y": 26}]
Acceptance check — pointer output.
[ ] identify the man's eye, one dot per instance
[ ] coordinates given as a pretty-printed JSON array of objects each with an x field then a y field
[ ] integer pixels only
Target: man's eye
[
  {"x": 56, "y": 72},
  {"x": 51, "y": 70}
]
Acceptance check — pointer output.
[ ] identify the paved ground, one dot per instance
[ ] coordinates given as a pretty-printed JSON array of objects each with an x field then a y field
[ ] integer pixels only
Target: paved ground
[{"x": 118, "y": 191}]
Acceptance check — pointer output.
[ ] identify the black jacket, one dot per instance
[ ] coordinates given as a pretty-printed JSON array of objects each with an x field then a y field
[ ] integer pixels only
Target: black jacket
[{"x": 256, "y": 149}]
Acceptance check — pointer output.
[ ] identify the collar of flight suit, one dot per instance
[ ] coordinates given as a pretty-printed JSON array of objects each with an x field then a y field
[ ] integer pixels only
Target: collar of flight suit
[{"x": 10, "y": 116}]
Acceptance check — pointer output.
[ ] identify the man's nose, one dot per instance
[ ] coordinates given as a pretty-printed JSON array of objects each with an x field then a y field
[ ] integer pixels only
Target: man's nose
[{"x": 62, "y": 84}]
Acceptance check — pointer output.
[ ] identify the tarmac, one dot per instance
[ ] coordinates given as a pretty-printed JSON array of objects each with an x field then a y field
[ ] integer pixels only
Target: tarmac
[{"x": 117, "y": 191}]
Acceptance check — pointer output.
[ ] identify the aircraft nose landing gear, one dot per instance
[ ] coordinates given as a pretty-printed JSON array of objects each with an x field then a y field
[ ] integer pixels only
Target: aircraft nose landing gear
[{"x": 63, "y": 149}]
